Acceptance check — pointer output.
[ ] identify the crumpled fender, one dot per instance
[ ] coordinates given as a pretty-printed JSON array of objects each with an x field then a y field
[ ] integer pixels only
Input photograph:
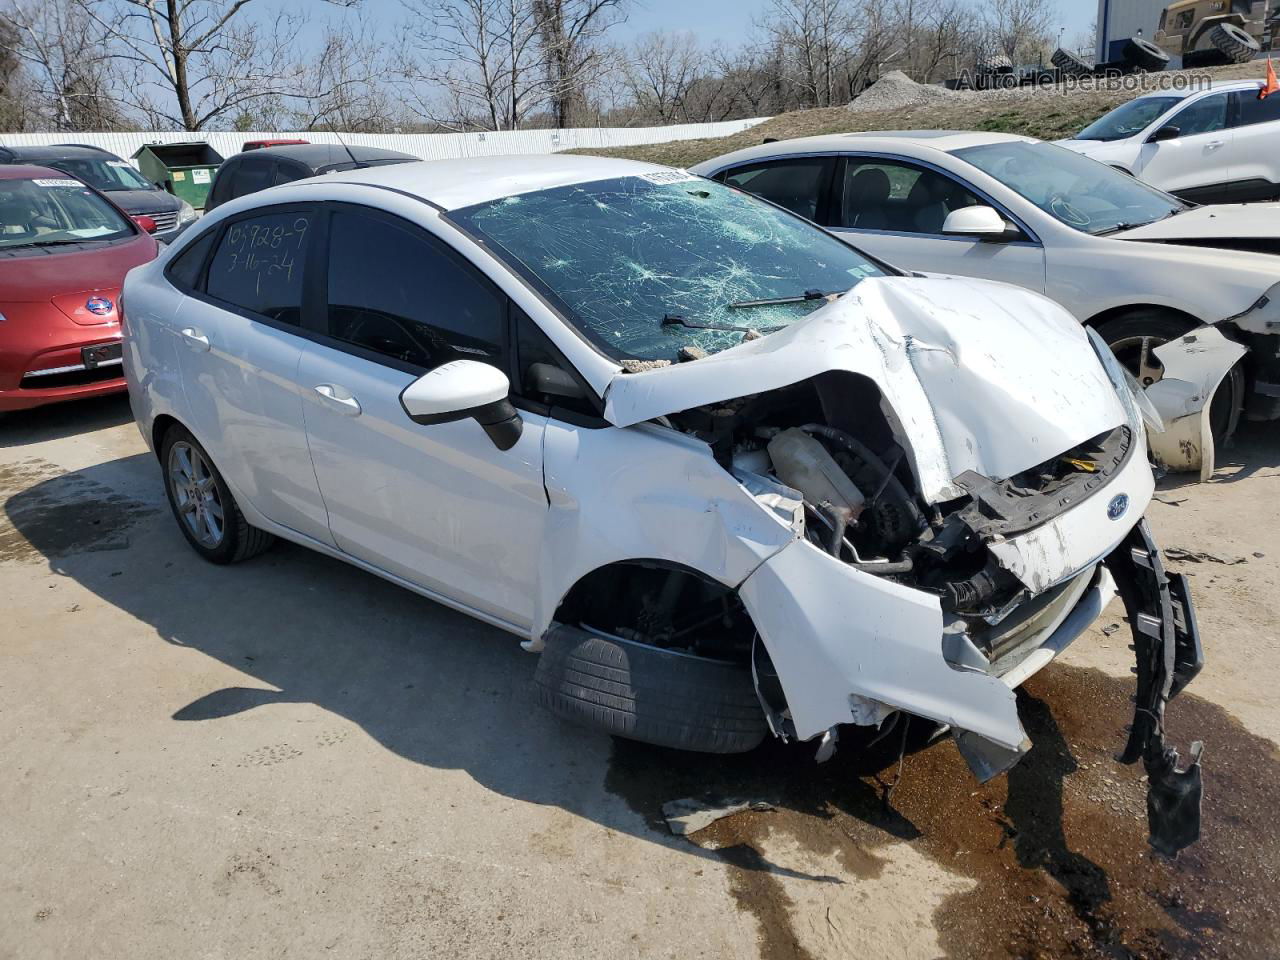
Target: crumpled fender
[
  {"x": 645, "y": 494},
  {"x": 1195, "y": 366}
]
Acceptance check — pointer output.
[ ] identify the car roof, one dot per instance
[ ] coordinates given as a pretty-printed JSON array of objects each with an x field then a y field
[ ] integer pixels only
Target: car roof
[
  {"x": 880, "y": 141},
  {"x": 30, "y": 171},
  {"x": 55, "y": 152},
  {"x": 1211, "y": 87},
  {"x": 451, "y": 184},
  {"x": 316, "y": 155}
]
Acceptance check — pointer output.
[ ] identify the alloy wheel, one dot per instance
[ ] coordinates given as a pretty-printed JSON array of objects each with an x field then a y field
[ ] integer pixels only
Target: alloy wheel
[{"x": 195, "y": 494}]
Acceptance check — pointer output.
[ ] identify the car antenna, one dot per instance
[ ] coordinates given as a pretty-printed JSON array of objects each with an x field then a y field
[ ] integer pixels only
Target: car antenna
[{"x": 343, "y": 144}]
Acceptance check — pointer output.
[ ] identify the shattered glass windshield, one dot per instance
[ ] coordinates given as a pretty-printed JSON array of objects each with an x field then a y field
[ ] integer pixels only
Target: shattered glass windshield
[{"x": 644, "y": 265}]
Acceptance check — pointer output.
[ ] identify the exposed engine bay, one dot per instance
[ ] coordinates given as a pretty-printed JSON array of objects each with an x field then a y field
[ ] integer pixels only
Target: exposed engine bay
[{"x": 853, "y": 480}]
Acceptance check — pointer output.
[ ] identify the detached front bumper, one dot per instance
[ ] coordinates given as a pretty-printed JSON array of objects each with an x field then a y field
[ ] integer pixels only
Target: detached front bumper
[{"x": 849, "y": 647}]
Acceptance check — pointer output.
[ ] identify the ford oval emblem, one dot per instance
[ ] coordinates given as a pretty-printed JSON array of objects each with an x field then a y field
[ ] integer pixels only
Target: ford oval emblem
[
  {"x": 99, "y": 305},
  {"x": 1118, "y": 506}
]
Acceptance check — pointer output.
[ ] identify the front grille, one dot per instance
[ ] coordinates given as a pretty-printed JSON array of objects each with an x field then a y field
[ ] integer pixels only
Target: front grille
[
  {"x": 165, "y": 220},
  {"x": 71, "y": 376}
]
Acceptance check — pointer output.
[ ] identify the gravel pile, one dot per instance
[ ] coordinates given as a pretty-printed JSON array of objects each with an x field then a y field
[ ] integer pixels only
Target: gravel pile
[{"x": 897, "y": 91}]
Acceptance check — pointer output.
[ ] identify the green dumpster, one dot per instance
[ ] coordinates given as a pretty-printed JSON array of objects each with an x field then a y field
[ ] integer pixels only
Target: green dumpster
[{"x": 184, "y": 169}]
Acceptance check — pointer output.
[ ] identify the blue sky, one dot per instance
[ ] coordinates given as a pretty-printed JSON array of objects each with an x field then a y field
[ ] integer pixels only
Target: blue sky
[{"x": 729, "y": 21}]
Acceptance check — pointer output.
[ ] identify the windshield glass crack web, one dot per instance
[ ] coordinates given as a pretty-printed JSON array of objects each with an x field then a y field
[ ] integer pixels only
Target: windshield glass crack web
[{"x": 624, "y": 253}]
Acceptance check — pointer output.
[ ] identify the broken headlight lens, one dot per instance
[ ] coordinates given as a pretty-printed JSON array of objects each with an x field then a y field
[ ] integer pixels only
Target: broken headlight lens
[{"x": 1137, "y": 405}]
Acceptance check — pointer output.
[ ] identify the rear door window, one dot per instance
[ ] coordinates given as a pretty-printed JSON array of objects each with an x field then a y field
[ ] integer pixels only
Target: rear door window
[
  {"x": 800, "y": 184},
  {"x": 1251, "y": 110},
  {"x": 253, "y": 174},
  {"x": 258, "y": 264}
]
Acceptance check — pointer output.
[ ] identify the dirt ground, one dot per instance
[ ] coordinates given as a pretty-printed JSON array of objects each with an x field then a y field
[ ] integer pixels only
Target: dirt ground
[{"x": 291, "y": 758}]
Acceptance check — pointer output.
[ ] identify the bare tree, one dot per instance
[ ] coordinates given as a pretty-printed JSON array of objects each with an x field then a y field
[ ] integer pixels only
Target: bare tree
[
  {"x": 67, "y": 68},
  {"x": 569, "y": 32},
  {"x": 659, "y": 73},
  {"x": 478, "y": 61},
  {"x": 1020, "y": 29},
  {"x": 197, "y": 63},
  {"x": 345, "y": 84},
  {"x": 817, "y": 37}
]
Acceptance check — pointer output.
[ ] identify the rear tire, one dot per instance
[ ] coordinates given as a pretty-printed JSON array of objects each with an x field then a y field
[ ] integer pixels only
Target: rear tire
[
  {"x": 1145, "y": 55},
  {"x": 1234, "y": 43},
  {"x": 202, "y": 504},
  {"x": 641, "y": 692},
  {"x": 1070, "y": 64},
  {"x": 1133, "y": 337}
]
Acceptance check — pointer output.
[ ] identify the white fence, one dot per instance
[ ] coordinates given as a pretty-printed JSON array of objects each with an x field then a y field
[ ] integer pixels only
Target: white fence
[{"x": 428, "y": 146}]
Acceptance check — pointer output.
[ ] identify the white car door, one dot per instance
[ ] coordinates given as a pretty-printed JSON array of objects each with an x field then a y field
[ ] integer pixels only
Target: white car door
[
  {"x": 895, "y": 209},
  {"x": 1200, "y": 157},
  {"x": 239, "y": 346},
  {"x": 1255, "y": 148},
  {"x": 439, "y": 506}
]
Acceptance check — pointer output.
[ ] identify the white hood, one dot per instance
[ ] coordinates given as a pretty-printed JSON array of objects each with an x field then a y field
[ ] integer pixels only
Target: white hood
[
  {"x": 1236, "y": 221},
  {"x": 982, "y": 376}
]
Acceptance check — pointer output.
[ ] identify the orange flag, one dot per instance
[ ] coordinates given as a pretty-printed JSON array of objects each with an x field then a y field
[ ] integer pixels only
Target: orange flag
[{"x": 1272, "y": 85}]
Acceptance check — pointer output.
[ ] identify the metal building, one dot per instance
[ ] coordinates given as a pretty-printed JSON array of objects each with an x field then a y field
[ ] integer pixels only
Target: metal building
[{"x": 1118, "y": 20}]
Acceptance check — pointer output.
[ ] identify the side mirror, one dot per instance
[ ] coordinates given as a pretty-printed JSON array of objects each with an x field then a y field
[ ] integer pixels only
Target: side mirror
[
  {"x": 982, "y": 222},
  {"x": 464, "y": 389},
  {"x": 1167, "y": 132},
  {"x": 145, "y": 222}
]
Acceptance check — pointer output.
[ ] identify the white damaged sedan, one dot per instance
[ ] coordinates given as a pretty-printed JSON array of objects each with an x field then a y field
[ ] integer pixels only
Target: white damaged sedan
[{"x": 724, "y": 473}]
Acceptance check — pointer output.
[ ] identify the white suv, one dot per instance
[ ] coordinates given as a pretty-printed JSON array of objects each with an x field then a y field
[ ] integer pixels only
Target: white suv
[
  {"x": 727, "y": 475},
  {"x": 1219, "y": 144}
]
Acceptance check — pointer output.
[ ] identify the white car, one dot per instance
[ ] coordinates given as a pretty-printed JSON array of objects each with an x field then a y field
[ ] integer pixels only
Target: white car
[
  {"x": 723, "y": 472},
  {"x": 1144, "y": 269},
  {"x": 1211, "y": 144}
]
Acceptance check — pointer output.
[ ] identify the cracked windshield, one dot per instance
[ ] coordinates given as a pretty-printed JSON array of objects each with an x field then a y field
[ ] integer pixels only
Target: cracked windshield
[{"x": 649, "y": 264}]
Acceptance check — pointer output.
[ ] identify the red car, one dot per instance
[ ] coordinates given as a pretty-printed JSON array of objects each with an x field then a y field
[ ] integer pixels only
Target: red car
[{"x": 64, "y": 251}]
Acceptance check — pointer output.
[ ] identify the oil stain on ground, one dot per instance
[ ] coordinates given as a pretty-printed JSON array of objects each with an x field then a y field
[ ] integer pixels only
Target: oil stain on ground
[
  {"x": 49, "y": 513},
  {"x": 1057, "y": 847}
]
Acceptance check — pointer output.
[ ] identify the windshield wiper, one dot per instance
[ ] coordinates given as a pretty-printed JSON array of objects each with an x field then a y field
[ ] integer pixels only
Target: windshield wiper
[
  {"x": 783, "y": 301},
  {"x": 57, "y": 243},
  {"x": 673, "y": 320}
]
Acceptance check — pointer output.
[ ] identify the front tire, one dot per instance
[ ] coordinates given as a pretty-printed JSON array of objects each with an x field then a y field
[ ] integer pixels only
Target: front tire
[
  {"x": 206, "y": 512},
  {"x": 642, "y": 692}
]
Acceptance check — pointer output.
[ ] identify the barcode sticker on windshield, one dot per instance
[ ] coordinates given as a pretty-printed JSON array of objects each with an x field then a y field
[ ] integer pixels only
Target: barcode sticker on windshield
[
  {"x": 667, "y": 176},
  {"x": 119, "y": 163},
  {"x": 57, "y": 183}
]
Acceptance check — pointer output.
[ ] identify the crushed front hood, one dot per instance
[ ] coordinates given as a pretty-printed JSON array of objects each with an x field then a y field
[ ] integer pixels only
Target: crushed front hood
[
  {"x": 1237, "y": 221},
  {"x": 982, "y": 376}
]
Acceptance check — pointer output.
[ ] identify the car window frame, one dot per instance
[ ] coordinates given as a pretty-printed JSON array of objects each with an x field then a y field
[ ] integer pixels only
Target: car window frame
[
  {"x": 1236, "y": 110},
  {"x": 1031, "y": 238},
  {"x": 823, "y": 205},
  {"x": 316, "y": 322},
  {"x": 1227, "y": 125},
  {"x": 200, "y": 291}
]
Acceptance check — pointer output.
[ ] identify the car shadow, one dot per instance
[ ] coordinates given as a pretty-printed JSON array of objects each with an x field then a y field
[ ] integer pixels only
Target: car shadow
[
  {"x": 61, "y": 420},
  {"x": 430, "y": 684},
  {"x": 1254, "y": 451}
]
